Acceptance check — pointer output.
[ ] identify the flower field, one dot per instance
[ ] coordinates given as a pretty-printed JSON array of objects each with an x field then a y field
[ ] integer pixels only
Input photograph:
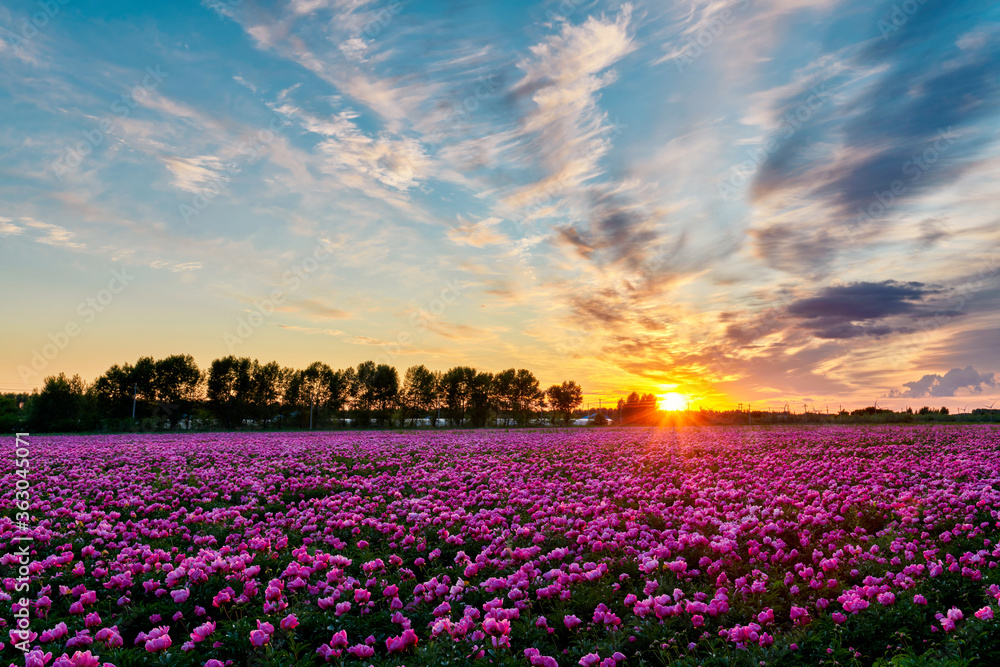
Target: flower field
[{"x": 853, "y": 545}]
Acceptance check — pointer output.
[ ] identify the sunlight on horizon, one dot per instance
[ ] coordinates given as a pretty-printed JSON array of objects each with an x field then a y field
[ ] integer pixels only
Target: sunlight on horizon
[{"x": 672, "y": 402}]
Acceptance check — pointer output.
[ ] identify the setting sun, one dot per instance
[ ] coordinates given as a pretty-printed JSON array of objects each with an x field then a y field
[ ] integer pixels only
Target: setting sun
[{"x": 673, "y": 402}]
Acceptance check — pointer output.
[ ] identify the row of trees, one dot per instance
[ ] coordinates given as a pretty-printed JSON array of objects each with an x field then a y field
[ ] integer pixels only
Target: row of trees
[{"x": 237, "y": 391}]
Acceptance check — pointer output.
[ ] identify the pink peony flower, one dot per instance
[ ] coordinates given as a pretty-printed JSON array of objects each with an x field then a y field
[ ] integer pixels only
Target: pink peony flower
[
  {"x": 202, "y": 631},
  {"x": 259, "y": 638},
  {"x": 799, "y": 615},
  {"x": 361, "y": 651}
]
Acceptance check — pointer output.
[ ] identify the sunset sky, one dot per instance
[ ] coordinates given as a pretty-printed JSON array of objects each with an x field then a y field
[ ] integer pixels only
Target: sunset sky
[{"x": 761, "y": 201}]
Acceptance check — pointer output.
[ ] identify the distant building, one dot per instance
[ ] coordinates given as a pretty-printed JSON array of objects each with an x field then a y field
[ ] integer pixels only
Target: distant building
[{"x": 583, "y": 421}]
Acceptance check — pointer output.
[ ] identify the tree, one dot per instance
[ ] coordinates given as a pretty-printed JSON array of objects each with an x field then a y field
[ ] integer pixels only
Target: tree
[
  {"x": 176, "y": 383},
  {"x": 113, "y": 392},
  {"x": 144, "y": 385},
  {"x": 13, "y": 412},
  {"x": 268, "y": 383},
  {"x": 339, "y": 390},
  {"x": 456, "y": 387},
  {"x": 314, "y": 393},
  {"x": 480, "y": 399},
  {"x": 385, "y": 392},
  {"x": 527, "y": 396},
  {"x": 364, "y": 393},
  {"x": 60, "y": 406},
  {"x": 348, "y": 382},
  {"x": 229, "y": 389},
  {"x": 565, "y": 397},
  {"x": 504, "y": 394},
  {"x": 419, "y": 392},
  {"x": 638, "y": 409}
]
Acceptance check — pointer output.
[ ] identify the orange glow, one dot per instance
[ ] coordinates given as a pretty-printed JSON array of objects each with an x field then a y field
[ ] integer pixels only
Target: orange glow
[{"x": 673, "y": 402}]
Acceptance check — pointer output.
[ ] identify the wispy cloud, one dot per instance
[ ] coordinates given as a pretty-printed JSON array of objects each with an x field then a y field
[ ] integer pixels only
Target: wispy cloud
[
  {"x": 54, "y": 235},
  {"x": 560, "y": 87},
  {"x": 477, "y": 234}
]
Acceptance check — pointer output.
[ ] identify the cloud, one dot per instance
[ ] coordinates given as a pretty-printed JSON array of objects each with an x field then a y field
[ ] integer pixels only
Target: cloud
[
  {"x": 477, "y": 234},
  {"x": 947, "y": 384},
  {"x": 363, "y": 340},
  {"x": 853, "y": 310},
  {"x": 194, "y": 174},
  {"x": 325, "y": 39},
  {"x": 53, "y": 235},
  {"x": 399, "y": 163},
  {"x": 175, "y": 267},
  {"x": 457, "y": 332},
  {"x": 567, "y": 132},
  {"x": 8, "y": 228},
  {"x": 316, "y": 308},
  {"x": 312, "y": 330},
  {"x": 906, "y": 116}
]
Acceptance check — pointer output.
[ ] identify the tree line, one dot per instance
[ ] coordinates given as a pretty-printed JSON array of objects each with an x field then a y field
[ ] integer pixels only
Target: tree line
[{"x": 239, "y": 392}]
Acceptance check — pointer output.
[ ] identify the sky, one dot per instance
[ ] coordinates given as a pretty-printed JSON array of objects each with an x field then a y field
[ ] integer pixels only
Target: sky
[{"x": 762, "y": 201}]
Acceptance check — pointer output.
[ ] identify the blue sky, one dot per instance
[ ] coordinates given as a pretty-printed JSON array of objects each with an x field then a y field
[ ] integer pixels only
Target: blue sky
[{"x": 767, "y": 200}]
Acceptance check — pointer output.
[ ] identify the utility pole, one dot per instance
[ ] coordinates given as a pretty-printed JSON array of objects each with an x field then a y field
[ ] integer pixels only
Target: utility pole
[
  {"x": 749, "y": 416},
  {"x": 311, "y": 412},
  {"x": 135, "y": 394}
]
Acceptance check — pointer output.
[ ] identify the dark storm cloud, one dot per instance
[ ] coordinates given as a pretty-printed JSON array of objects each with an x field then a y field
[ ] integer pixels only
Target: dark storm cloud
[
  {"x": 861, "y": 301},
  {"x": 861, "y": 309}
]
